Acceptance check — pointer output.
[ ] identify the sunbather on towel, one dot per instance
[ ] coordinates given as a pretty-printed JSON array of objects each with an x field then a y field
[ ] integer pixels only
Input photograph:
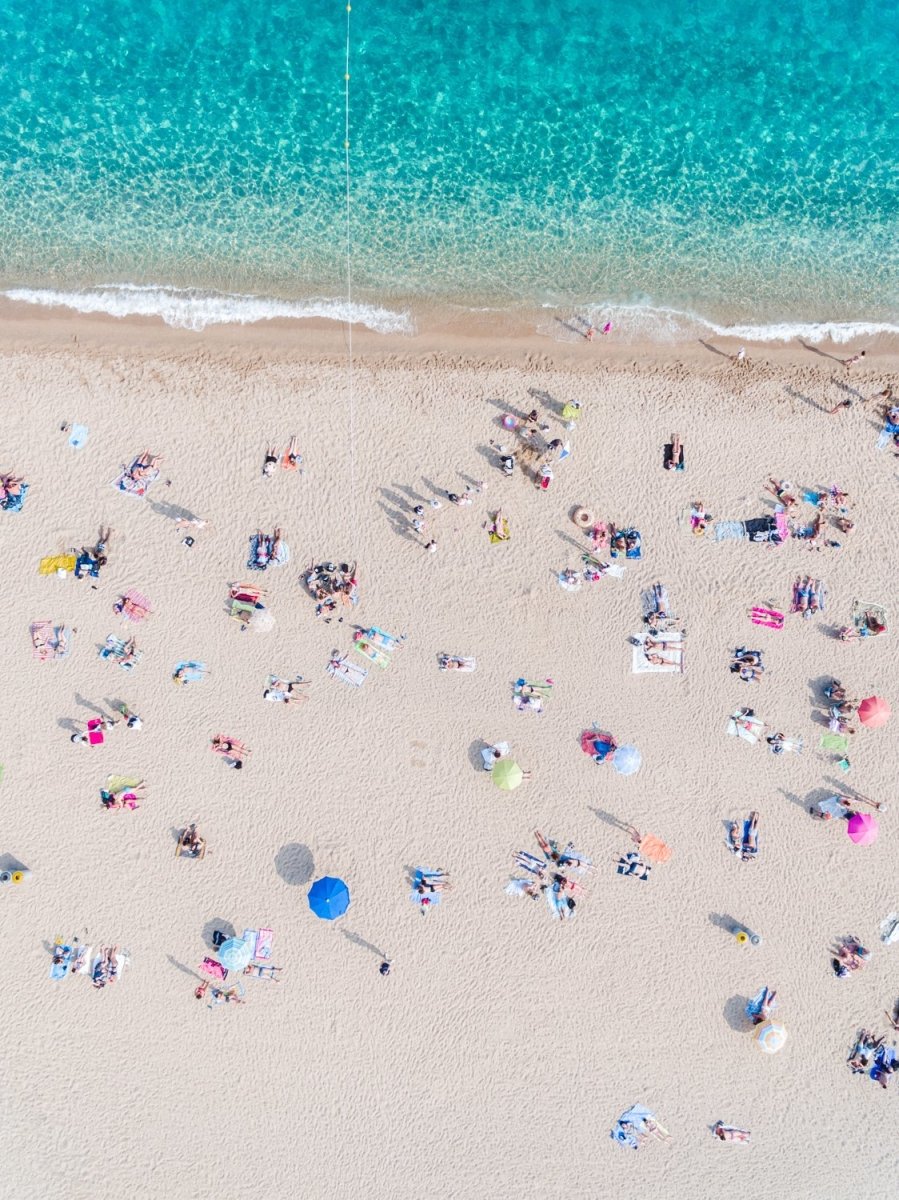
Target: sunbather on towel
[
  {"x": 659, "y": 603},
  {"x": 145, "y": 465},
  {"x": 283, "y": 690},
  {"x": 674, "y": 454}
]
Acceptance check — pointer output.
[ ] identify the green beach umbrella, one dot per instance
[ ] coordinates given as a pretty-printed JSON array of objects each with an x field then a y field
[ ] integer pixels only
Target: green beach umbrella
[{"x": 507, "y": 774}]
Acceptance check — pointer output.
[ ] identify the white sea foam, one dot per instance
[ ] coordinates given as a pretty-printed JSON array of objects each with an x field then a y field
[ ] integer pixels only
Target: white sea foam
[
  {"x": 187, "y": 308},
  {"x": 635, "y": 322}
]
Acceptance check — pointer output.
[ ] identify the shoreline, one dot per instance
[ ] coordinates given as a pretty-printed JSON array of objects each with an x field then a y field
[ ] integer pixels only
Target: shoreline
[{"x": 494, "y": 339}]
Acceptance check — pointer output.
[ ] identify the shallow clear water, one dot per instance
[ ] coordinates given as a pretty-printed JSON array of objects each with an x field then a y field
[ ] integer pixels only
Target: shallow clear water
[{"x": 735, "y": 160}]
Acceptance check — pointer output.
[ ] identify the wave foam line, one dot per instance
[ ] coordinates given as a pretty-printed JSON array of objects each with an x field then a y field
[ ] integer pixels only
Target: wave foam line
[
  {"x": 657, "y": 323},
  {"x": 187, "y": 308}
]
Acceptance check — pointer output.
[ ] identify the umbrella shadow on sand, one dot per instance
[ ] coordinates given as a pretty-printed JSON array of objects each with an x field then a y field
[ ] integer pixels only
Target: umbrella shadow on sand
[
  {"x": 294, "y": 863},
  {"x": 735, "y": 1013},
  {"x": 217, "y": 925}
]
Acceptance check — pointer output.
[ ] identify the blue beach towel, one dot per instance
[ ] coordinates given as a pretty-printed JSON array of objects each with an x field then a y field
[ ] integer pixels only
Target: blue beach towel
[
  {"x": 78, "y": 435},
  {"x": 14, "y": 503}
]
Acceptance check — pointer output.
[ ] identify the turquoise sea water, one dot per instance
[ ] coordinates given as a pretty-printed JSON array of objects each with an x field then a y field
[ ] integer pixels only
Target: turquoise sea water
[{"x": 735, "y": 160}]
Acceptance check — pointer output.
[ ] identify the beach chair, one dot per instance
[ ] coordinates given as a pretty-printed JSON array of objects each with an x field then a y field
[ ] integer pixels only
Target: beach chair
[{"x": 347, "y": 672}]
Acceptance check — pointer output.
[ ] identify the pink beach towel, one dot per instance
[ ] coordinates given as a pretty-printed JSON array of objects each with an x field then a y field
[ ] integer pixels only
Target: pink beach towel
[
  {"x": 209, "y": 966},
  {"x": 264, "y": 944},
  {"x": 769, "y": 617}
]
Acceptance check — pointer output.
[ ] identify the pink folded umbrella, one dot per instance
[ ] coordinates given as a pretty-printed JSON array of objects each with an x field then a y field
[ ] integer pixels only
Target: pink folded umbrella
[
  {"x": 874, "y": 712},
  {"x": 862, "y": 829}
]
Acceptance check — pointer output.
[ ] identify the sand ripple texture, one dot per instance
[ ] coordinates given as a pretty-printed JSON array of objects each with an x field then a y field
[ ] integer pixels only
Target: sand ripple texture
[{"x": 495, "y": 1058}]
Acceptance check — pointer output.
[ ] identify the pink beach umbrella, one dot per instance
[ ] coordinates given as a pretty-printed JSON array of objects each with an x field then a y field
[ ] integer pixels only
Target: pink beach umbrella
[
  {"x": 874, "y": 712},
  {"x": 862, "y": 829}
]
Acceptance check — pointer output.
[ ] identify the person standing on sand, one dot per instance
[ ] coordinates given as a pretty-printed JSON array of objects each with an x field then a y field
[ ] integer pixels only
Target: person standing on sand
[
  {"x": 850, "y": 362},
  {"x": 739, "y": 359}
]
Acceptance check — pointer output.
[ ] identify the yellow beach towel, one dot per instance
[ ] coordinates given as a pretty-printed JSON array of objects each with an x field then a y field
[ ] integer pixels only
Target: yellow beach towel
[{"x": 56, "y": 562}]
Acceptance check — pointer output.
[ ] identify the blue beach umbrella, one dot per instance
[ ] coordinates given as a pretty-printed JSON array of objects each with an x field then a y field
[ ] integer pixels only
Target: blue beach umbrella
[
  {"x": 627, "y": 760},
  {"x": 329, "y": 898},
  {"x": 235, "y": 954}
]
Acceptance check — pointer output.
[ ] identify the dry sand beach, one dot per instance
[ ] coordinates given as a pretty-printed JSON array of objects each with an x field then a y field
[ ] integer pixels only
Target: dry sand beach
[{"x": 497, "y": 1055}]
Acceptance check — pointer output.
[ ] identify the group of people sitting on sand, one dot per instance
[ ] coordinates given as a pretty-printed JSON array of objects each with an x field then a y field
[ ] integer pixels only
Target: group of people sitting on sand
[
  {"x": 329, "y": 583},
  {"x": 869, "y": 1056},
  {"x": 266, "y": 550},
  {"x": 849, "y": 955},
  {"x": 190, "y": 844},
  {"x": 747, "y": 664},
  {"x": 808, "y": 596},
  {"x": 840, "y": 708}
]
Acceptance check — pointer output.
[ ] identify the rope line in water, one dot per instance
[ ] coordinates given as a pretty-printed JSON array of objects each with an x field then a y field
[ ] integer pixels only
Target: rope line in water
[{"x": 351, "y": 394}]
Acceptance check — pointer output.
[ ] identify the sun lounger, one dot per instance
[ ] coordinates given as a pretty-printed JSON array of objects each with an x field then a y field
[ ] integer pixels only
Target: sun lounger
[
  {"x": 348, "y": 672},
  {"x": 671, "y": 650}
]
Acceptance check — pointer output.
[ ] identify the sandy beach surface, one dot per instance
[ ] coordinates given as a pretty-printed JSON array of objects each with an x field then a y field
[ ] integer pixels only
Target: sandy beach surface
[{"x": 497, "y": 1055}]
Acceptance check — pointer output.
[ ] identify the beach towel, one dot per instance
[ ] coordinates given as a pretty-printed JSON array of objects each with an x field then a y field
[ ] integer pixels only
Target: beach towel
[
  {"x": 189, "y": 672},
  {"x": 134, "y": 606},
  {"x": 14, "y": 503},
  {"x": 861, "y": 611},
  {"x": 114, "y": 649},
  {"x": 59, "y": 970},
  {"x": 782, "y": 527},
  {"x": 671, "y": 650},
  {"x": 347, "y": 672},
  {"x": 376, "y": 636},
  {"x": 78, "y": 436},
  {"x": 81, "y": 962},
  {"x": 42, "y": 640},
  {"x": 213, "y": 968},
  {"x": 769, "y": 617},
  {"x": 668, "y": 458},
  {"x": 729, "y": 531},
  {"x": 264, "y": 940},
  {"x": 260, "y": 557},
  {"x": 56, "y": 564},
  {"x": 889, "y": 928},
  {"x": 595, "y": 570},
  {"x": 374, "y": 653},
  {"x": 745, "y": 725},
  {"x": 499, "y": 530},
  {"x": 762, "y": 529},
  {"x": 531, "y": 696},
  {"x": 834, "y": 741},
  {"x": 634, "y": 551},
  {"x": 136, "y": 487}
]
